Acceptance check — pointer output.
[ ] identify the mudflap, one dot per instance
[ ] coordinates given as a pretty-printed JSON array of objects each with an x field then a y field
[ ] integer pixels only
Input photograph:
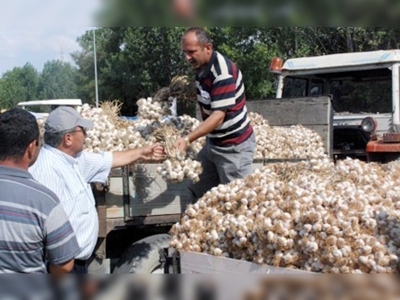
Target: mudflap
[{"x": 170, "y": 260}]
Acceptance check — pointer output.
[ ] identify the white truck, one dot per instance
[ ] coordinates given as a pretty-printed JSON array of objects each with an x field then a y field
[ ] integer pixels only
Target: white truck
[{"x": 365, "y": 97}]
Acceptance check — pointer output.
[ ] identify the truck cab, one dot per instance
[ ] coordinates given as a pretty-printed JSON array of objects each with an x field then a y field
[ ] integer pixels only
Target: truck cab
[{"x": 364, "y": 92}]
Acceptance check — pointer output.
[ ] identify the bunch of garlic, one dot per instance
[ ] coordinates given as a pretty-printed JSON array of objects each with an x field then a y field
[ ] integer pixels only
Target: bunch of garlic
[
  {"x": 106, "y": 135},
  {"x": 177, "y": 171},
  {"x": 310, "y": 215}
]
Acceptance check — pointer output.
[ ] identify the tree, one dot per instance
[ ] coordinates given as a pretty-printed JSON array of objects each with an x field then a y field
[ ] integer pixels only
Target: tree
[
  {"x": 135, "y": 62},
  {"x": 58, "y": 80},
  {"x": 19, "y": 84},
  {"x": 132, "y": 62}
]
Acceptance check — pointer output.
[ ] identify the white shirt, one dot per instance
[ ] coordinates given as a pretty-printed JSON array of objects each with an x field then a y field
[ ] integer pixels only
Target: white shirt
[{"x": 69, "y": 178}]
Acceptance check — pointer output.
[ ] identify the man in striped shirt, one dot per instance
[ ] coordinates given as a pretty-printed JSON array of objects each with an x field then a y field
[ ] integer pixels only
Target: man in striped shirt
[
  {"x": 34, "y": 228},
  {"x": 67, "y": 170},
  {"x": 230, "y": 141}
]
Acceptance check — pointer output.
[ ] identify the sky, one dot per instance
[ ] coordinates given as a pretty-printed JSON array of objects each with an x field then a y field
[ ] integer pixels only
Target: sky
[{"x": 37, "y": 31}]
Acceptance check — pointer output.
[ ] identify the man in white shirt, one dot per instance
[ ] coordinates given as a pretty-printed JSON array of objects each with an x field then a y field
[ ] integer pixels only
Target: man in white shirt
[{"x": 67, "y": 170}]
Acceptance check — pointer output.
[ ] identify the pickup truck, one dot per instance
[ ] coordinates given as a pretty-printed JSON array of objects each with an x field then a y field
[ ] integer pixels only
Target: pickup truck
[{"x": 364, "y": 91}]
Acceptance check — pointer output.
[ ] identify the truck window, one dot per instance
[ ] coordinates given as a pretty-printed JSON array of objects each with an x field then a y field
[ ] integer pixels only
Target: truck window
[
  {"x": 294, "y": 87},
  {"x": 301, "y": 87},
  {"x": 362, "y": 96},
  {"x": 364, "y": 91}
]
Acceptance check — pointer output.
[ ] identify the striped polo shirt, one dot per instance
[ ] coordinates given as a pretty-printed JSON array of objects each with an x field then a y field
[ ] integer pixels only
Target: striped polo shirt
[
  {"x": 69, "y": 178},
  {"x": 33, "y": 225},
  {"x": 221, "y": 87}
]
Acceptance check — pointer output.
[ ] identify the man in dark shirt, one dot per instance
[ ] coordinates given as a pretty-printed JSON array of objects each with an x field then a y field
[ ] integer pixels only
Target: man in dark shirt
[{"x": 230, "y": 141}]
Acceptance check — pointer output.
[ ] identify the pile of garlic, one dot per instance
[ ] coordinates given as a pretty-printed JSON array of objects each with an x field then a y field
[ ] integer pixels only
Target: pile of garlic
[
  {"x": 41, "y": 122},
  {"x": 257, "y": 119},
  {"x": 111, "y": 133},
  {"x": 297, "y": 141},
  {"x": 153, "y": 110},
  {"x": 310, "y": 215},
  {"x": 272, "y": 142},
  {"x": 107, "y": 136}
]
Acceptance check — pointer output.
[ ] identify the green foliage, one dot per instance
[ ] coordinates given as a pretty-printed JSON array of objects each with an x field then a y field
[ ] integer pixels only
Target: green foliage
[
  {"x": 135, "y": 62},
  {"x": 19, "y": 84},
  {"x": 58, "y": 81},
  {"x": 132, "y": 62}
]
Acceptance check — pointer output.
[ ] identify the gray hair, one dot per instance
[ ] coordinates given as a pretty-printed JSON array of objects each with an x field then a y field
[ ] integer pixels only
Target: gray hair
[
  {"x": 202, "y": 35},
  {"x": 54, "y": 139}
]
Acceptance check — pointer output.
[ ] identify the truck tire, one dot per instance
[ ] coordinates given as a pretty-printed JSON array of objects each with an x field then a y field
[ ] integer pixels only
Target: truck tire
[{"x": 142, "y": 257}]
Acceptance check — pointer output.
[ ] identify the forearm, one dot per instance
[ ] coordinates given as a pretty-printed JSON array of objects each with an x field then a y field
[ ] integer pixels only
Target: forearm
[
  {"x": 207, "y": 126},
  {"x": 123, "y": 158}
]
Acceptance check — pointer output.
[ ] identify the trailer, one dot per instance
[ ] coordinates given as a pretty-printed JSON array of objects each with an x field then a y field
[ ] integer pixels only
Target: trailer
[{"x": 137, "y": 207}]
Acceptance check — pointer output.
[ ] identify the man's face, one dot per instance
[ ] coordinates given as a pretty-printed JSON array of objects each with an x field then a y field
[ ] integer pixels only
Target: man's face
[
  {"x": 196, "y": 54},
  {"x": 78, "y": 139}
]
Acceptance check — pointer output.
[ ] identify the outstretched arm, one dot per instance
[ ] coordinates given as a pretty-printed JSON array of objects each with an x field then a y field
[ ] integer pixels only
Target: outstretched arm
[{"x": 123, "y": 158}]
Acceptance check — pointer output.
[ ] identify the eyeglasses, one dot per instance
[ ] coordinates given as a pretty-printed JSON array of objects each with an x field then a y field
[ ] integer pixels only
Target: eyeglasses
[{"x": 81, "y": 130}]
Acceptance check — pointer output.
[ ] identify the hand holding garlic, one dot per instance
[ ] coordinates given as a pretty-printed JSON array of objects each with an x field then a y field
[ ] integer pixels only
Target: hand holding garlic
[{"x": 154, "y": 152}]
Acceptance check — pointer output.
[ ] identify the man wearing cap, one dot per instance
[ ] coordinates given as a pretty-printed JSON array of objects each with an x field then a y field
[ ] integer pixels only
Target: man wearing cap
[{"x": 64, "y": 168}]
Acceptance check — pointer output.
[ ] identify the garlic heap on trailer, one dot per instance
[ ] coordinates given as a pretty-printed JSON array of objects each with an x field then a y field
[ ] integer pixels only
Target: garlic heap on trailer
[{"x": 310, "y": 215}]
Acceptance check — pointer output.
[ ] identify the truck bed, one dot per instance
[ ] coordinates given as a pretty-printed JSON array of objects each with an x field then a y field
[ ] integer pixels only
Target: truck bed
[{"x": 314, "y": 113}]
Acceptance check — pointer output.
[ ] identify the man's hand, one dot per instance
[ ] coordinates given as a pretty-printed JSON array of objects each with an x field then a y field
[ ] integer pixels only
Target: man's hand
[
  {"x": 181, "y": 144},
  {"x": 154, "y": 152}
]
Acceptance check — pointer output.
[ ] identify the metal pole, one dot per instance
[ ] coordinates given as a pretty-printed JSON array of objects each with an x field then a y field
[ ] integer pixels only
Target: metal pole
[{"x": 95, "y": 69}]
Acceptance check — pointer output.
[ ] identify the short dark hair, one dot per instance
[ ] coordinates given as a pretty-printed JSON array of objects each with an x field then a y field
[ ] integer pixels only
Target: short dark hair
[
  {"x": 18, "y": 128},
  {"x": 201, "y": 34}
]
